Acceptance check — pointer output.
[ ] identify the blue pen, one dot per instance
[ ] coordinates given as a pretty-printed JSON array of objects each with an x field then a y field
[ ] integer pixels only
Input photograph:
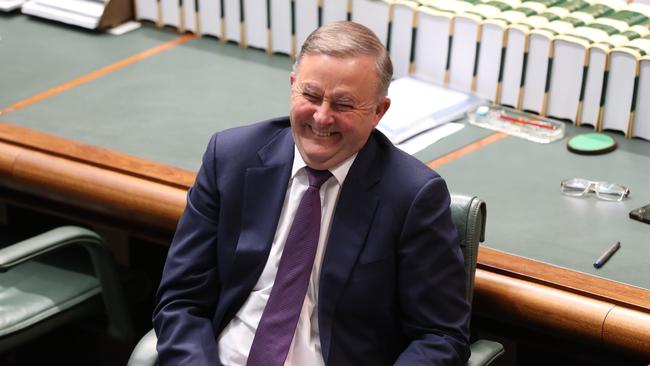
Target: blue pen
[{"x": 605, "y": 257}]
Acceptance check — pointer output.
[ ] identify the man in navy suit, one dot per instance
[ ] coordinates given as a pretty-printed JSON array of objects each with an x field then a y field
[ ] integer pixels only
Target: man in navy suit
[{"x": 387, "y": 284}]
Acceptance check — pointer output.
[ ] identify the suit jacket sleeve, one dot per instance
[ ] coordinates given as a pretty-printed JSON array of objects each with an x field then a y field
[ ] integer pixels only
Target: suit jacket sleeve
[
  {"x": 431, "y": 282},
  {"x": 190, "y": 284}
]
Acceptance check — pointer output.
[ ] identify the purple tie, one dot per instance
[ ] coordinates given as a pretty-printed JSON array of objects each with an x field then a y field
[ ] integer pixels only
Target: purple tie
[{"x": 280, "y": 317}]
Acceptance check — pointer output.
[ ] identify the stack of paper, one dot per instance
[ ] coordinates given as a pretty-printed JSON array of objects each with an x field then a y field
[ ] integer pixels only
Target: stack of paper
[
  {"x": 9, "y": 5},
  {"x": 417, "y": 106},
  {"x": 83, "y": 13}
]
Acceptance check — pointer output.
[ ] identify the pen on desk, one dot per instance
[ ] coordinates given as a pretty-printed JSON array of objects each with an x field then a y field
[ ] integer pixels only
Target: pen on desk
[
  {"x": 608, "y": 254},
  {"x": 505, "y": 117}
]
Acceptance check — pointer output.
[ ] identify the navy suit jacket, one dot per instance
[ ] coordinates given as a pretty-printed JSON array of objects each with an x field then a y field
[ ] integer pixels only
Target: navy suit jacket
[{"x": 392, "y": 285}]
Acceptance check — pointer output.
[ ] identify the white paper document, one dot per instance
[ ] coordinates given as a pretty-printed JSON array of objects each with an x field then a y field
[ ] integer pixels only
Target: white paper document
[
  {"x": 420, "y": 142},
  {"x": 9, "y": 5},
  {"x": 417, "y": 106},
  {"x": 83, "y": 13}
]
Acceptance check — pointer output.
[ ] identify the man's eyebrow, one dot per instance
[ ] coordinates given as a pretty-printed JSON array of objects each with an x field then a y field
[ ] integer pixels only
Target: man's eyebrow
[
  {"x": 344, "y": 99},
  {"x": 309, "y": 88},
  {"x": 338, "y": 98}
]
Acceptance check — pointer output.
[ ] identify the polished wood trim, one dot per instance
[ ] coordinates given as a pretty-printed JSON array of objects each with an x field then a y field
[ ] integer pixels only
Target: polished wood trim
[
  {"x": 91, "y": 187},
  {"x": 467, "y": 149},
  {"x": 97, "y": 73},
  {"x": 76, "y": 215},
  {"x": 92, "y": 155},
  {"x": 627, "y": 329},
  {"x": 8, "y": 156},
  {"x": 564, "y": 279},
  {"x": 540, "y": 306}
]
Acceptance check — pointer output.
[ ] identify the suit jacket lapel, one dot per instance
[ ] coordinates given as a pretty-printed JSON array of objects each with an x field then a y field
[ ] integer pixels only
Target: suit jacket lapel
[
  {"x": 350, "y": 225},
  {"x": 264, "y": 191}
]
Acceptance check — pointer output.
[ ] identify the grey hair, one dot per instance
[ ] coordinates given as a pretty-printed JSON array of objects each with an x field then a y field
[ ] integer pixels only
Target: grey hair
[{"x": 349, "y": 39}]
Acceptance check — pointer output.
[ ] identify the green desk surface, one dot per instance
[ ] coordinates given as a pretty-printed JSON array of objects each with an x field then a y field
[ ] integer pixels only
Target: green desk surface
[
  {"x": 36, "y": 55},
  {"x": 529, "y": 217},
  {"x": 164, "y": 108}
]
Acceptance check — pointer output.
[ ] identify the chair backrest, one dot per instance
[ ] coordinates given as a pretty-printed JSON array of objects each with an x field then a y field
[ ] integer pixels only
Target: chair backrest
[{"x": 469, "y": 215}]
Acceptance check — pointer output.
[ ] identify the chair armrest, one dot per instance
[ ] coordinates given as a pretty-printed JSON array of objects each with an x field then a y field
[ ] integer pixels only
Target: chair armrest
[
  {"x": 484, "y": 352},
  {"x": 144, "y": 353},
  {"x": 103, "y": 263},
  {"x": 45, "y": 243}
]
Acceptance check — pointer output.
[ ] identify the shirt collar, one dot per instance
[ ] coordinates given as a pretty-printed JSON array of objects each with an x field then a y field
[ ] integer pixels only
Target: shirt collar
[{"x": 339, "y": 172}]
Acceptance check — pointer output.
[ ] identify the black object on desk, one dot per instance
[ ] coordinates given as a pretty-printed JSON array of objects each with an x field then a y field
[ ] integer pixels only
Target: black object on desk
[{"x": 642, "y": 214}]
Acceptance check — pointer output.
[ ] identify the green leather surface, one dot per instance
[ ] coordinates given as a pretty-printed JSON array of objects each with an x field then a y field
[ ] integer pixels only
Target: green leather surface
[
  {"x": 484, "y": 352},
  {"x": 36, "y": 55},
  {"x": 528, "y": 216},
  {"x": 33, "y": 291},
  {"x": 450, "y": 143},
  {"x": 166, "y": 107}
]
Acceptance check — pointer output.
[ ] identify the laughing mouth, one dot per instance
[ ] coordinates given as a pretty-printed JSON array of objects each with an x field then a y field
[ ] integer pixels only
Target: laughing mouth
[{"x": 321, "y": 133}]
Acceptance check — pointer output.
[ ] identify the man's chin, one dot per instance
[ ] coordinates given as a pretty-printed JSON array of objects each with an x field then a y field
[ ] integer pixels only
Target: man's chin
[
  {"x": 320, "y": 145},
  {"x": 318, "y": 159}
]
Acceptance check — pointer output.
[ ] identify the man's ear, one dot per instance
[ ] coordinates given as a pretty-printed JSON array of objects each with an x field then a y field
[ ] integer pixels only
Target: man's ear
[
  {"x": 292, "y": 78},
  {"x": 382, "y": 108}
]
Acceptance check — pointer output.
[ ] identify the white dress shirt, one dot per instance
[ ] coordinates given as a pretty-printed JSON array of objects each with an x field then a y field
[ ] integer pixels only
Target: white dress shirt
[{"x": 237, "y": 337}]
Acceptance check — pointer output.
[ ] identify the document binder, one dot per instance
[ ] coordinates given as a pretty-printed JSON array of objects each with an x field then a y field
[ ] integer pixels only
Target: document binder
[
  {"x": 306, "y": 19},
  {"x": 641, "y": 121},
  {"x": 171, "y": 14},
  {"x": 335, "y": 10},
  {"x": 462, "y": 54},
  {"x": 283, "y": 27},
  {"x": 404, "y": 15},
  {"x": 624, "y": 76},
  {"x": 571, "y": 62},
  {"x": 89, "y": 14},
  {"x": 432, "y": 43},
  {"x": 256, "y": 14},
  {"x": 374, "y": 14},
  {"x": 211, "y": 17},
  {"x": 10, "y": 5},
  {"x": 234, "y": 22}
]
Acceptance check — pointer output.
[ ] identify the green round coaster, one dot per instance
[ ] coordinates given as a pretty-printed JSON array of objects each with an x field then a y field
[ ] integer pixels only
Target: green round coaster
[{"x": 591, "y": 144}]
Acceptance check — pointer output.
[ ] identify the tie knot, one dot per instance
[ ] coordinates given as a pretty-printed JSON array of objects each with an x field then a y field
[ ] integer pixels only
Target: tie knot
[{"x": 317, "y": 177}]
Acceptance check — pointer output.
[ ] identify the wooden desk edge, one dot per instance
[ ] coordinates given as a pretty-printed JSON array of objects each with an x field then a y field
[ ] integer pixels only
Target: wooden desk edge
[
  {"x": 103, "y": 188},
  {"x": 593, "y": 320},
  {"x": 564, "y": 279},
  {"x": 37, "y": 141}
]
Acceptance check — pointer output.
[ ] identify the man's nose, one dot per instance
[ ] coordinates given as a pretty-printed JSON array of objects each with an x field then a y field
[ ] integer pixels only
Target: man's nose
[{"x": 324, "y": 113}]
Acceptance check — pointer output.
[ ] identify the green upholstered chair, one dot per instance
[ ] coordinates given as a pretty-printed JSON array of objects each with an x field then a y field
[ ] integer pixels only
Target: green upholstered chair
[
  {"x": 469, "y": 215},
  {"x": 42, "y": 288},
  {"x": 144, "y": 353}
]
